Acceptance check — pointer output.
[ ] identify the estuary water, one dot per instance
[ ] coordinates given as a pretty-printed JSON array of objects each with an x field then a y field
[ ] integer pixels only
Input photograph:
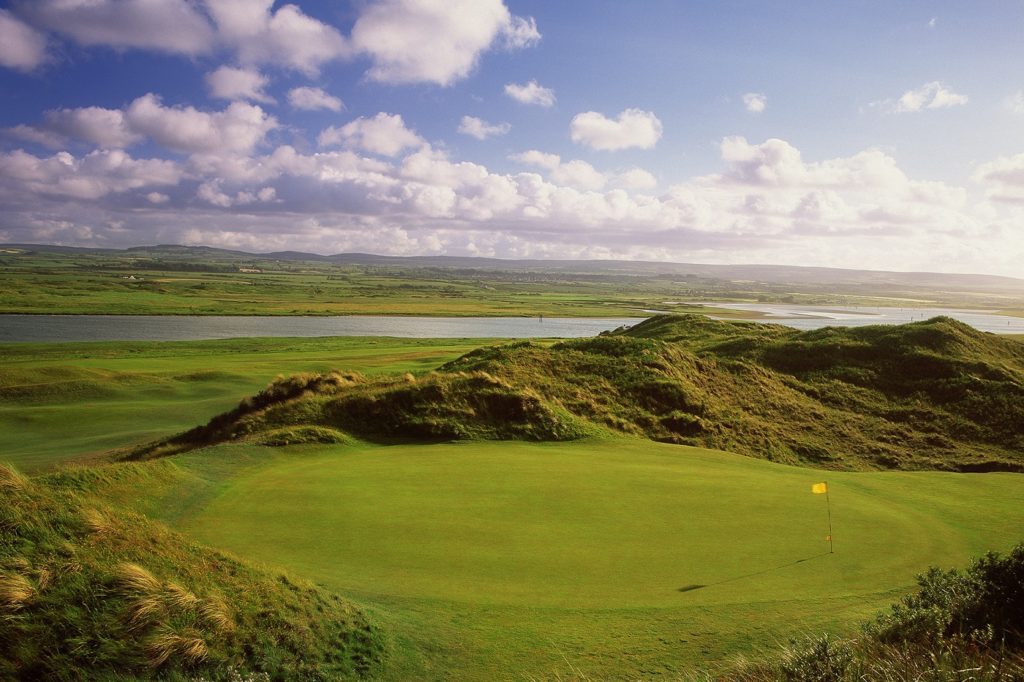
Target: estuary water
[
  {"x": 815, "y": 317},
  {"x": 59, "y": 328}
]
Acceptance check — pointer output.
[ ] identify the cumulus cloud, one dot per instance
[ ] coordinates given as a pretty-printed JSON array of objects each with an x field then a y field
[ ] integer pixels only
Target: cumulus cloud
[
  {"x": 636, "y": 179},
  {"x": 21, "y": 47},
  {"x": 210, "y": 192},
  {"x": 237, "y": 129},
  {"x": 1003, "y": 178},
  {"x": 36, "y": 135},
  {"x": 933, "y": 95},
  {"x": 174, "y": 26},
  {"x": 531, "y": 93},
  {"x": 92, "y": 176},
  {"x": 286, "y": 37},
  {"x": 232, "y": 83},
  {"x": 765, "y": 202},
  {"x": 384, "y": 134},
  {"x": 101, "y": 127},
  {"x": 435, "y": 41},
  {"x": 481, "y": 129},
  {"x": 538, "y": 158},
  {"x": 632, "y": 128},
  {"x": 311, "y": 99},
  {"x": 1015, "y": 102},
  {"x": 576, "y": 173},
  {"x": 755, "y": 102}
]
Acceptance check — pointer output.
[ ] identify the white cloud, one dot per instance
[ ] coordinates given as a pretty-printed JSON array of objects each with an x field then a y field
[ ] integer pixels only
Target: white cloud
[
  {"x": 92, "y": 176},
  {"x": 21, "y": 47},
  {"x": 1003, "y": 178},
  {"x": 101, "y": 127},
  {"x": 36, "y": 135},
  {"x": 311, "y": 99},
  {"x": 1015, "y": 102},
  {"x": 538, "y": 158},
  {"x": 435, "y": 41},
  {"x": 531, "y": 93},
  {"x": 383, "y": 134},
  {"x": 632, "y": 128},
  {"x": 480, "y": 129},
  {"x": 229, "y": 82},
  {"x": 755, "y": 102},
  {"x": 636, "y": 179},
  {"x": 765, "y": 202},
  {"x": 576, "y": 174},
  {"x": 287, "y": 37},
  {"x": 933, "y": 95},
  {"x": 237, "y": 129},
  {"x": 174, "y": 26},
  {"x": 932, "y": 22}
]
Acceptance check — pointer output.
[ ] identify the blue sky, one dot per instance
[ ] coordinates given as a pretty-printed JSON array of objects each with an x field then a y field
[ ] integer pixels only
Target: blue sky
[{"x": 853, "y": 134}]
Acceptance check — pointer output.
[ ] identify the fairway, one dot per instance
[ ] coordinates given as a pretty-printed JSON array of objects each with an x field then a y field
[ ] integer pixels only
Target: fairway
[
  {"x": 635, "y": 552},
  {"x": 67, "y": 402}
]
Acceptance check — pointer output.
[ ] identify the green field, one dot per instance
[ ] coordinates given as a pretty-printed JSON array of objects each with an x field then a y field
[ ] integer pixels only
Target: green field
[
  {"x": 65, "y": 402},
  {"x": 605, "y": 559},
  {"x": 170, "y": 280}
]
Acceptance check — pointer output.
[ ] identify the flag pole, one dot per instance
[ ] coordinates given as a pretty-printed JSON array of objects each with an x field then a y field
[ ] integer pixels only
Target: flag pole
[{"x": 828, "y": 506}]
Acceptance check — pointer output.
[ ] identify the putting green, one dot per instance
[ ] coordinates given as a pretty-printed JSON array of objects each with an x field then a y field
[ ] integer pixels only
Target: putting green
[{"x": 498, "y": 544}]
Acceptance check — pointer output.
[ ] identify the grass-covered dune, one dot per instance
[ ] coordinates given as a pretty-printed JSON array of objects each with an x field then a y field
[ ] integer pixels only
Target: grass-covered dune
[
  {"x": 929, "y": 395},
  {"x": 91, "y": 591}
]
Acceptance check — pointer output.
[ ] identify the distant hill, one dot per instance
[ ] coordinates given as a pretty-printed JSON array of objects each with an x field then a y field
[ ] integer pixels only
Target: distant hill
[
  {"x": 929, "y": 395},
  {"x": 752, "y": 273}
]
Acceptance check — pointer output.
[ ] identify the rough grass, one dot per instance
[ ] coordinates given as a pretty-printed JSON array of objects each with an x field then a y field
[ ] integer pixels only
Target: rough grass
[
  {"x": 88, "y": 591},
  {"x": 928, "y": 395}
]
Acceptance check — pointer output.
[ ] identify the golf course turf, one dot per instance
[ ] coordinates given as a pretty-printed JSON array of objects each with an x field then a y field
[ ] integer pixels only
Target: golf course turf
[{"x": 604, "y": 558}]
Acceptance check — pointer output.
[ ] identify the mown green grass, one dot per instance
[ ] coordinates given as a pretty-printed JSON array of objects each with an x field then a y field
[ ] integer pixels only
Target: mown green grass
[
  {"x": 504, "y": 560},
  {"x": 64, "y": 402}
]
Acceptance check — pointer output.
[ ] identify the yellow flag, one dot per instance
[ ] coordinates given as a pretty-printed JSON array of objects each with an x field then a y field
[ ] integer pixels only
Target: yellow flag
[{"x": 819, "y": 488}]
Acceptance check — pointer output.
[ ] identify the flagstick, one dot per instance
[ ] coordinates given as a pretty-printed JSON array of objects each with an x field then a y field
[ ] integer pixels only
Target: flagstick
[{"x": 828, "y": 506}]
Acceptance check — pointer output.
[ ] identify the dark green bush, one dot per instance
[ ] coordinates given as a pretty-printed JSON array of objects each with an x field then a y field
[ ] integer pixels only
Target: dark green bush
[{"x": 983, "y": 604}]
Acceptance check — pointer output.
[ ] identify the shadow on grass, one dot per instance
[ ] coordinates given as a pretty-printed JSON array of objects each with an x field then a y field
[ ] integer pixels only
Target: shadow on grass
[{"x": 695, "y": 586}]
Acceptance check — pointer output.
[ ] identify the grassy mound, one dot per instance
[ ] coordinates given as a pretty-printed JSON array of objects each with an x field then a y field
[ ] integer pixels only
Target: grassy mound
[
  {"x": 929, "y": 395},
  {"x": 88, "y": 592}
]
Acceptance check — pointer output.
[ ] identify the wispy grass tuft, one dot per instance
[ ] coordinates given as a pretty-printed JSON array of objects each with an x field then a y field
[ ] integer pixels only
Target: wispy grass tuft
[
  {"x": 16, "y": 591},
  {"x": 166, "y": 644},
  {"x": 11, "y": 479}
]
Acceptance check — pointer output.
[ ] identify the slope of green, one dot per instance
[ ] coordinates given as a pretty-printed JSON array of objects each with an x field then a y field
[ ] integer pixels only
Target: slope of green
[
  {"x": 611, "y": 559},
  {"x": 64, "y": 402},
  {"x": 928, "y": 395},
  {"x": 88, "y": 591}
]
